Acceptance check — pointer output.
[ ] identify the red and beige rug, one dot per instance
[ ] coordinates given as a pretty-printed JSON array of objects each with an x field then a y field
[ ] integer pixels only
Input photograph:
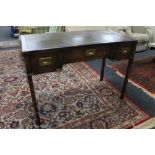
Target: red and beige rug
[
  {"x": 142, "y": 75},
  {"x": 72, "y": 98}
]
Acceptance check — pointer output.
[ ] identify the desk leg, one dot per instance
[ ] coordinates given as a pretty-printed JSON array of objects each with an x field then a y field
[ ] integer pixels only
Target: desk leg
[
  {"x": 102, "y": 69},
  {"x": 34, "y": 101},
  {"x": 128, "y": 70},
  {"x": 153, "y": 60}
]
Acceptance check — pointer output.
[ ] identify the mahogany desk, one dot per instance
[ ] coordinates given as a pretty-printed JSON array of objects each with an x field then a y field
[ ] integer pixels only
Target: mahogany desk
[{"x": 48, "y": 52}]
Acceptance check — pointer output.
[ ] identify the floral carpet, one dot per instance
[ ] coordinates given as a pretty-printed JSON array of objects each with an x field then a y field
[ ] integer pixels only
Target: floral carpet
[
  {"x": 72, "y": 98},
  {"x": 142, "y": 75}
]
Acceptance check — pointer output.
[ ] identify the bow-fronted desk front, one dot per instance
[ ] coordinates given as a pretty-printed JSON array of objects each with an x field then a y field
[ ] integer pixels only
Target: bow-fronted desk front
[{"x": 50, "y": 51}]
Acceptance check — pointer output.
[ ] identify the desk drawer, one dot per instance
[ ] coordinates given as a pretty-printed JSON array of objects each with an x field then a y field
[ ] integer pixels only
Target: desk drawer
[
  {"x": 84, "y": 53},
  {"x": 44, "y": 61},
  {"x": 124, "y": 51}
]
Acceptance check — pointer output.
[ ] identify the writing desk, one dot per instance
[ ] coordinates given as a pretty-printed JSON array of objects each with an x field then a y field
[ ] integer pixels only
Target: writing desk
[{"x": 50, "y": 51}]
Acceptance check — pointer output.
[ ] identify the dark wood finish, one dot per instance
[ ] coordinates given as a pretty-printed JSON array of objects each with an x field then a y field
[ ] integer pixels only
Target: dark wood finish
[
  {"x": 102, "y": 69},
  {"x": 48, "y": 41},
  {"x": 130, "y": 62},
  {"x": 36, "y": 67},
  {"x": 34, "y": 100},
  {"x": 48, "y": 52},
  {"x": 153, "y": 60},
  {"x": 82, "y": 53}
]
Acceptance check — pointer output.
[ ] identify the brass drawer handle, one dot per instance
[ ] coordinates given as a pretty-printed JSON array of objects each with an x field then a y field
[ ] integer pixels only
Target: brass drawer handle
[
  {"x": 45, "y": 61},
  {"x": 125, "y": 50},
  {"x": 90, "y": 52}
]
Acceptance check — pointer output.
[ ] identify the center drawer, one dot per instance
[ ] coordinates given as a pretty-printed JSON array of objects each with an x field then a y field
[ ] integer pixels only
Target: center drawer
[{"x": 84, "y": 53}]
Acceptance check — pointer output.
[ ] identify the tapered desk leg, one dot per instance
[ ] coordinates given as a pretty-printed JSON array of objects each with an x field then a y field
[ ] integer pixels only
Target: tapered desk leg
[
  {"x": 34, "y": 101},
  {"x": 128, "y": 70},
  {"x": 102, "y": 69}
]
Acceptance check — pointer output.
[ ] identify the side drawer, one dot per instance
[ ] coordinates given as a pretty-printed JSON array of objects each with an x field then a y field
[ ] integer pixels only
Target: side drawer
[
  {"x": 43, "y": 62},
  {"x": 84, "y": 53},
  {"x": 125, "y": 51}
]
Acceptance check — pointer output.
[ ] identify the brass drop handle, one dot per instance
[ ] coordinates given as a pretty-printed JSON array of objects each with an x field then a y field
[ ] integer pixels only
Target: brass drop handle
[
  {"x": 46, "y": 61},
  {"x": 90, "y": 52}
]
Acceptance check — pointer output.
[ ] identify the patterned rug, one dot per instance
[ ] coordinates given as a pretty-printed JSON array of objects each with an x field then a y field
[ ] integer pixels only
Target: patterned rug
[
  {"x": 142, "y": 75},
  {"x": 72, "y": 98},
  {"x": 9, "y": 44}
]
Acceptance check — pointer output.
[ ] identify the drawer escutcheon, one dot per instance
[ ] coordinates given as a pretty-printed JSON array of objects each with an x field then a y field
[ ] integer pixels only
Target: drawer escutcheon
[{"x": 46, "y": 61}]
